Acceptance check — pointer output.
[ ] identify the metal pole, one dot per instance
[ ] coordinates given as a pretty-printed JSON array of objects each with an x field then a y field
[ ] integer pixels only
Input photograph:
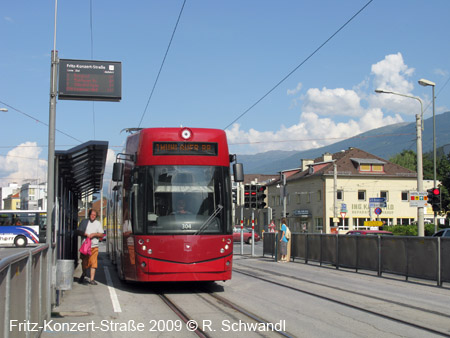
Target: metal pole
[
  {"x": 242, "y": 231},
  {"x": 434, "y": 159},
  {"x": 284, "y": 194},
  {"x": 51, "y": 170},
  {"x": 335, "y": 192},
  {"x": 253, "y": 233},
  {"x": 420, "y": 222}
]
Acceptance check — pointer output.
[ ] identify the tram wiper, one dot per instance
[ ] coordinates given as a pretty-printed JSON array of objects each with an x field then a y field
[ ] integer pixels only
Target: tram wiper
[{"x": 210, "y": 218}]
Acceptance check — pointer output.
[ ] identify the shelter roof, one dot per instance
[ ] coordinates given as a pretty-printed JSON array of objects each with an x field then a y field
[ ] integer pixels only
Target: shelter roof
[{"x": 81, "y": 168}]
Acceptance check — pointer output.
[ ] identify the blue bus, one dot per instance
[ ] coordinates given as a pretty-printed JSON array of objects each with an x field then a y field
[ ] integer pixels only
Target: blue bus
[{"x": 22, "y": 227}]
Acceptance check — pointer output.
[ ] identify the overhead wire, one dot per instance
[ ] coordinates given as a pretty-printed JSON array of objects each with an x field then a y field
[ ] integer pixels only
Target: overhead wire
[
  {"x": 301, "y": 64},
  {"x": 162, "y": 64},
  {"x": 39, "y": 121}
]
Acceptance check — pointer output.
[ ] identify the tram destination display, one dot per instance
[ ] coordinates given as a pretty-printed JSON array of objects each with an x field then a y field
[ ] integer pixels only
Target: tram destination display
[
  {"x": 90, "y": 80},
  {"x": 185, "y": 148}
]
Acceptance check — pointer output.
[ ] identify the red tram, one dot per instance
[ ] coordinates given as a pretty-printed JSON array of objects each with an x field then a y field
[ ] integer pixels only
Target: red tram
[{"x": 169, "y": 216}]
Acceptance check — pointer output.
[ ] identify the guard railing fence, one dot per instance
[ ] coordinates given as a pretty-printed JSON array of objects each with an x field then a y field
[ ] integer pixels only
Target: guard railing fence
[
  {"x": 23, "y": 291},
  {"x": 419, "y": 257}
]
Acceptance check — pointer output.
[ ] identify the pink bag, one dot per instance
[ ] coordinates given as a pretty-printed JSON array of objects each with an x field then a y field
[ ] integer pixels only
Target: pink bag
[{"x": 86, "y": 247}]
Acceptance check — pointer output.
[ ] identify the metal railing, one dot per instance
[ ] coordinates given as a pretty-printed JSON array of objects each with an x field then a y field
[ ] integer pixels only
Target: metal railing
[
  {"x": 419, "y": 257},
  {"x": 23, "y": 287}
]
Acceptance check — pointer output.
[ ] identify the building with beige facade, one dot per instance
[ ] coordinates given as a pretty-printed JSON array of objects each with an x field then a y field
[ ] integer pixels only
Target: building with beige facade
[{"x": 333, "y": 193}]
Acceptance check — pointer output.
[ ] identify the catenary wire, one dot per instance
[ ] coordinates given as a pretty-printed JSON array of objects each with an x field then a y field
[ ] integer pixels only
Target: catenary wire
[
  {"x": 301, "y": 64},
  {"x": 162, "y": 63},
  {"x": 39, "y": 121}
]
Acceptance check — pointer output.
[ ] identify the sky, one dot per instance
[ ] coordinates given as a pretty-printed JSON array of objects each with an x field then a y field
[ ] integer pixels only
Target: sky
[{"x": 227, "y": 59}]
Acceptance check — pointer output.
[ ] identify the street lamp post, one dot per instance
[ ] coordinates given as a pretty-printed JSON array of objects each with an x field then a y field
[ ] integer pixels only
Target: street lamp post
[
  {"x": 419, "y": 121},
  {"x": 426, "y": 83}
]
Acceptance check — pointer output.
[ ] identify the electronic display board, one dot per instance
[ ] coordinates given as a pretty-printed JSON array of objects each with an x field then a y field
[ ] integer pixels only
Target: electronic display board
[
  {"x": 185, "y": 148},
  {"x": 90, "y": 80}
]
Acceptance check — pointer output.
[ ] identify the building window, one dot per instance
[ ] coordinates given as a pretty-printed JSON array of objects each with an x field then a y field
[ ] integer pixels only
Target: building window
[
  {"x": 405, "y": 196},
  {"x": 361, "y": 195},
  {"x": 364, "y": 167},
  {"x": 318, "y": 225},
  {"x": 319, "y": 195},
  {"x": 377, "y": 167},
  {"x": 374, "y": 168},
  {"x": 308, "y": 197},
  {"x": 340, "y": 195},
  {"x": 384, "y": 194},
  {"x": 297, "y": 198}
]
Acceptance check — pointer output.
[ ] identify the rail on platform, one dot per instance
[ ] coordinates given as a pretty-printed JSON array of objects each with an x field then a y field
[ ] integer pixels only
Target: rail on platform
[
  {"x": 23, "y": 287},
  {"x": 418, "y": 257}
]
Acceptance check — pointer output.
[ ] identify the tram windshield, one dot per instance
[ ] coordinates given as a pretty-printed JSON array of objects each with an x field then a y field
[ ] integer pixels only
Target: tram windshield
[{"x": 181, "y": 200}]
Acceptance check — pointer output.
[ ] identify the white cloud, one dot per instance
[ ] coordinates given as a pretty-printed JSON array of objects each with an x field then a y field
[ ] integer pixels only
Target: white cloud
[
  {"x": 318, "y": 125},
  {"x": 296, "y": 90},
  {"x": 329, "y": 102},
  {"x": 311, "y": 132},
  {"x": 441, "y": 72},
  {"x": 22, "y": 164},
  {"x": 392, "y": 73}
]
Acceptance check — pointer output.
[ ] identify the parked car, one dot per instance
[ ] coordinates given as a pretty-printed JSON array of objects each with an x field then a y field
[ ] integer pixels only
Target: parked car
[
  {"x": 442, "y": 233},
  {"x": 370, "y": 232},
  {"x": 247, "y": 235}
]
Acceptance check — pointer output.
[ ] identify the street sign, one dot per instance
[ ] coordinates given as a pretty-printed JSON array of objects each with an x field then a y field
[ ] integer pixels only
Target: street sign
[
  {"x": 343, "y": 214},
  {"x": 377, "y": 202},
  {"x": 343, "y": 207},
  {"x": 378, "y": 211},
  {"x": 418, "y": 199},
  {"x": 373, "y": 223}
]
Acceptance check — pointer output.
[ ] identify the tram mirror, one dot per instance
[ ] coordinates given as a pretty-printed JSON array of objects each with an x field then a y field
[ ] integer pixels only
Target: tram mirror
[
  {"x": 238, "y": 171},
  {"x": 117, "y": 172}
]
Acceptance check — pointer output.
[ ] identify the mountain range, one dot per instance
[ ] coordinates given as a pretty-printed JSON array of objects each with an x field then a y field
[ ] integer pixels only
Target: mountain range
[{"x": 384, "y": 142}]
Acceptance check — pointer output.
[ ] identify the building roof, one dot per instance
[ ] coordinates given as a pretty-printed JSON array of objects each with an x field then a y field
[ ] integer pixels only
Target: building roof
[
  {"x": 347, "y": 164},
  {"x": 83, "y": 166}
]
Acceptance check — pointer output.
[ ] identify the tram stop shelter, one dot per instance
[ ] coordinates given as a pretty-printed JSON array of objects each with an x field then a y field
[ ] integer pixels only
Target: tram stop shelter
[{"x": 79, "y": 173}]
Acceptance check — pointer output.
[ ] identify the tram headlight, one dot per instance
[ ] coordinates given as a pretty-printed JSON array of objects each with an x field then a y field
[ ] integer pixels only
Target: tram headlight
[
  {"x": 141, "y": 241},
  {"x": 222, "y": 250},
  {"x": 150, "y": 251},
  {"x": 229, "y": 241},
  {"x": 226, "y": 247},
  {"x": 144, "y": 247},
  {"x": 143, "y": 265}
]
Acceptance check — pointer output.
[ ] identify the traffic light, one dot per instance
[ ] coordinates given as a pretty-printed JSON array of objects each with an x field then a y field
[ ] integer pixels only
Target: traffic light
[
  {"x": 247, "y": 196},
  {"x": 434, "y": 198},
  {"x": 253, "y": 199},
  {"x": 260, "y": 196},
  {"x": 234, "y": 195}
]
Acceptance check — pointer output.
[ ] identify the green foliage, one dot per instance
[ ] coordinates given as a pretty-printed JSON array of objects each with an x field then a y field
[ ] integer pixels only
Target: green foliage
[
  {"x": 410, "y": 230},
  {"x": 408, "y": 160},
  {"x": 403, "y": 230}
]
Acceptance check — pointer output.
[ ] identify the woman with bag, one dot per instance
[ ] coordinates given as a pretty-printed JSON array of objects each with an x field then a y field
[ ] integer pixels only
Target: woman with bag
[{"x": 91, "y": 230}]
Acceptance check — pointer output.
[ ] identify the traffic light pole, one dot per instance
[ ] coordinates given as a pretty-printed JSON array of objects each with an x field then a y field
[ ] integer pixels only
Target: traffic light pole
[
  {"x": 253, "y": 233},
  {"x": 420, "y": 222},
  {"x": 242, "y": 231}
]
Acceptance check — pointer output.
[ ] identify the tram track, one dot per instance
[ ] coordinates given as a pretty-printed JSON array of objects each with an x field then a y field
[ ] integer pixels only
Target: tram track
[
  {"x": 230, "y": 313},
  {"x": 338, "y": 296}
]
